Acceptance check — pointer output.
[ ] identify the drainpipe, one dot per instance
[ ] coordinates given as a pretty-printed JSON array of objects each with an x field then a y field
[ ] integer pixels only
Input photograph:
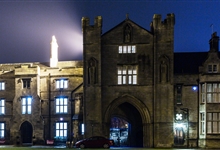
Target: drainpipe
[
  {"x": 71, "y": 116},
  {"x": 49, "y": 107},
  {"x": 197, "y": 142}
]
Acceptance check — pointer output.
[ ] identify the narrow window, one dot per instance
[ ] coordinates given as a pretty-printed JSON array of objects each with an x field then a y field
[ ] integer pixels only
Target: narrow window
[
  {"x": 202, "y": 125},
  {"x": 215, "y": 68},
  {"x": 61, "y": 105},
  {"x": 82, "y": 129},
  {"x": 2, "y": 85},
  {"x": 203, "y": 93},
  {"x": 2, "y": 106},
  {"x": 179, "y": 94},
  {"x": 62, "y": 83},
  {"x": 210, "y": 68},
  {"x": 120, "y": 49},
  {"x": 2, "y": 130},
  {"x": 26, "y": 105}
]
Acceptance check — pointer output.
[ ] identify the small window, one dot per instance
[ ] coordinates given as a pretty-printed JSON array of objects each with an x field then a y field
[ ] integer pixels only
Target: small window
[
  {"x": 127, "y": 74},
  {"x": 26, "y": 83},
  {"x": 126, "y": 49},
  {"x": 61, "y": 130},
  {"x": 61, "y": 105},
  {"x": 2, "y": 130},
  {"x": 2, "y": 85},
  {"x": 213, "y": 68},
  {"x": 62, "y": 83},
  {"x": 2, "y": 106},
  {"x": 26, "y": 104}
]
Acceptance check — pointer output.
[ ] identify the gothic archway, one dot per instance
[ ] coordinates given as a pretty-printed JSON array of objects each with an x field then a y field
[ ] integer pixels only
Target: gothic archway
[
  {"x": 137, "y": 114},
  {"x": 26, "y": 130}
]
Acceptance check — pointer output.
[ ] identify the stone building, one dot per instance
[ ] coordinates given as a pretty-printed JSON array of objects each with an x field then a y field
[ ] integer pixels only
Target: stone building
[
  {"x": 131, "y": 86},
  {"x": 138, "y": 92},
  {"x": 36, "y": 100}
]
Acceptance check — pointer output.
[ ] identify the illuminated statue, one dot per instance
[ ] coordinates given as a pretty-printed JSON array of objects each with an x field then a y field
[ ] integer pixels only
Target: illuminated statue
[{"x": 54, "y": 52}]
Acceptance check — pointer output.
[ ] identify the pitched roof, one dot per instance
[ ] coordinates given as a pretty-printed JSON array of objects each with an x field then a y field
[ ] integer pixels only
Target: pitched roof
[{"x": 189, "y": 62}]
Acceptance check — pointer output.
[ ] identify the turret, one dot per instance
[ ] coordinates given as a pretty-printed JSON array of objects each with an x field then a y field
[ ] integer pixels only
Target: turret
[{"x": 213, "y": 42}]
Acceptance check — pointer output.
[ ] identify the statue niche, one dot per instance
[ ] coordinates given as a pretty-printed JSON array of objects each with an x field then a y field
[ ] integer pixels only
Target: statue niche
[
  {"x": 164, "y": 74},
  {"x": 127, "y": 33},
  {"x": 92, "y": 71}
]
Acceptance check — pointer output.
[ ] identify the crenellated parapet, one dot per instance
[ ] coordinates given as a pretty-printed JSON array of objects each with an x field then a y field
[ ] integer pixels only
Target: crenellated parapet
[
  {"x": 168, "y": 22},
  {"x": 86, "y": 22}
]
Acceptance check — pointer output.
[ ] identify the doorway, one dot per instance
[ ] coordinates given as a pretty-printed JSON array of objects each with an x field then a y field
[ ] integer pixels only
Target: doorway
[
  {"x": 126, "y": 126},
  {"x": 26, "y": 130}
]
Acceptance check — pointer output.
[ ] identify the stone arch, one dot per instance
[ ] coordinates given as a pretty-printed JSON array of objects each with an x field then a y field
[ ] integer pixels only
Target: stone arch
[{"x": 141, "y": 108}]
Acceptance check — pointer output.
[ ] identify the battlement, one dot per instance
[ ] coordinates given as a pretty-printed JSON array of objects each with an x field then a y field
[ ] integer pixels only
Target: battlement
[
  {"x": 97, "y": 22},
  {"x": 169, "y": 21}
]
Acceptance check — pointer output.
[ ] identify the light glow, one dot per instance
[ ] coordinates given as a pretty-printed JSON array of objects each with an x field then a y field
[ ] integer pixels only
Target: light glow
[
  {"x": 194, "y": 88},
  {"x": 179, "y": 117},
  {"x": 54, "y": 52}
]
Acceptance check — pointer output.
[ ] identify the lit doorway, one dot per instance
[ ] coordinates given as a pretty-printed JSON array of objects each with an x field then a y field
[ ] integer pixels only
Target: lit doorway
[
  {"x": 179, "y": 136},
  {"x": 119, "y": 131}
]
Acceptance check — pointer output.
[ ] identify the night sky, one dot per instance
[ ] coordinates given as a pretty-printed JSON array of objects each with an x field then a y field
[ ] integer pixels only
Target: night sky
[{"x": 26, "y": 27}]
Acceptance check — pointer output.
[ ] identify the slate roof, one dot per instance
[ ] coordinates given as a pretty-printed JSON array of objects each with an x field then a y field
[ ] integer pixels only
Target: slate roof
[{"x": 188, "y": 62}]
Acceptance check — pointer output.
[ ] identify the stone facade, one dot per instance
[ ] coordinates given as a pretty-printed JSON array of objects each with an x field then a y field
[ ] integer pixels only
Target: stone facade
[
  {"x": 38, "y": 126},
  {"x": 168, "y": 99},
  {"x": 147, "y": 102}
]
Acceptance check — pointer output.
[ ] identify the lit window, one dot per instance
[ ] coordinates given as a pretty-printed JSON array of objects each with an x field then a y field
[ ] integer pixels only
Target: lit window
[
  {"x": 212, "y": 68},
  {"x": 61, "y": 130},
  {"x": 82, "y": 129},
  {"x": 211, "y": 92},
  {"x": 213, "y": 122},
  {"x": 2, "y": 106},
  {"x": 61, "y": 84},
  {"x": 2, "y": 130},
  {"x": 26, "y": 105},
  {"x": 61, "y": 104},
  {"x": 127, "y": 75},
  {"x": 2, "y": 85},
  {"x": 26, "y": 83},
  {"x": 127, "y": 49}
]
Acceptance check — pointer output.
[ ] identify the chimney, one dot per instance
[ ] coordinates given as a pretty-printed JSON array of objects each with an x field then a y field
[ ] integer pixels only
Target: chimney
[{"x": 213, "y": 42}]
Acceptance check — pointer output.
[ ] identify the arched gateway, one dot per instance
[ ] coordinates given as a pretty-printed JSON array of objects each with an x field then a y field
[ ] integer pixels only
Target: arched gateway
[{"x": 137, "y": 114}]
